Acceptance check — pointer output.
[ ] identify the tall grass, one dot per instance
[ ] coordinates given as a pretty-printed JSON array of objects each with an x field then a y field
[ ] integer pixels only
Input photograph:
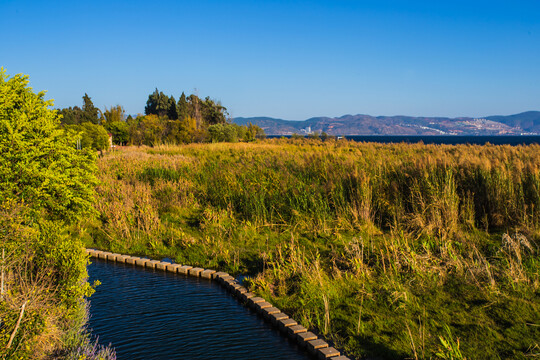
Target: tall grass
[{"x": 379, "y": 247}]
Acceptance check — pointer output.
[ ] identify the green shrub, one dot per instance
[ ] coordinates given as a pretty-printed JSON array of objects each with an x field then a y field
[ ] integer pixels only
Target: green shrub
[{"x": 46, "y": 185}]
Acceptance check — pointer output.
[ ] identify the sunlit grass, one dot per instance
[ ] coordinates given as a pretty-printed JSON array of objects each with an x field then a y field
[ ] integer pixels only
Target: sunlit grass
[{"x": 382, "y": 248}]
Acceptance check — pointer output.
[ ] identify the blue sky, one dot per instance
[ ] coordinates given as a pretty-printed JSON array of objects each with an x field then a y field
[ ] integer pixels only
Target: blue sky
[{"x": 287, "y": 59}]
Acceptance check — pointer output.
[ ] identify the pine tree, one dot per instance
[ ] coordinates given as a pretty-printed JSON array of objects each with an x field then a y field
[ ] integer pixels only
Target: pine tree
[
  {"x": 172, "y": 113},
  {"x": 182, "y": 107},
  {"x": 151, "y": 103},
  {"x": 90, "y": 112},
  {"x": 157, "y": 104}
]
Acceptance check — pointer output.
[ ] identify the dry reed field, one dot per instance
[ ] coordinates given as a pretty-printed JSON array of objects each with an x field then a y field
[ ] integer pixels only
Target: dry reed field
[{"x": 389, "y": 250}]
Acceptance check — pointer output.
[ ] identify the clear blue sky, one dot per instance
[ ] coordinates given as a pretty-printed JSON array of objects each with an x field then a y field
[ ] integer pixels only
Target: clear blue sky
[{"x": 287, "y": 59}]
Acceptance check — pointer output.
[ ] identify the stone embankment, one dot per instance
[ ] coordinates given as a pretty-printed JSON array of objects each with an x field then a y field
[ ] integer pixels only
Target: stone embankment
[{"x": 287, "y": 326}]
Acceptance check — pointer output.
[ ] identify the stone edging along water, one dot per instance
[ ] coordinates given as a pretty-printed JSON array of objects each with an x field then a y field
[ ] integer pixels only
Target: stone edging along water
[{"x": 287, "y": 326}]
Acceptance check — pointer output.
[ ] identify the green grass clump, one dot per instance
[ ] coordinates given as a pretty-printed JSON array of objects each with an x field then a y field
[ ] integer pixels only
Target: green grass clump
[{"x": 397, "y": 251}]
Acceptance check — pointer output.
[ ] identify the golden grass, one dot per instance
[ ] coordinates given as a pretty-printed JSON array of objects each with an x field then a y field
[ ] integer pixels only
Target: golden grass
[{"x": 378, "y": 246}]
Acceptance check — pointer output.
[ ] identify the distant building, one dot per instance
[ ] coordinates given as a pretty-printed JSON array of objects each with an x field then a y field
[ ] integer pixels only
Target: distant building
[{"x": 307, "y": 130}]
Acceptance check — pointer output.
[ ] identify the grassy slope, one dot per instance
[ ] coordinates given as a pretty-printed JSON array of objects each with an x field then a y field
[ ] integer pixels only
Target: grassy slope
[{"x": 385, "y": 249}]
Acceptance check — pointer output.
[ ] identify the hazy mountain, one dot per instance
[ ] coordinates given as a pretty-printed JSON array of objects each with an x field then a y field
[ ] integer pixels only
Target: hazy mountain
[
  {"x": 528, "y": 121},
  {"x": 524, "y": 123}
]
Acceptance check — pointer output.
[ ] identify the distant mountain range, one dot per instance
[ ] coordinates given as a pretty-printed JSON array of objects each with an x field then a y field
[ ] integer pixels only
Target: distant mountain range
[{"x": 527, "y": 123}]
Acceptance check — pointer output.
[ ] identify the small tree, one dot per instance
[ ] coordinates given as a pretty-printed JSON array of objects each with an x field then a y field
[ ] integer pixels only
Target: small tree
[
  {"x": 119, "y": 131},
  {"x": 254, "y": 132},
  {"x": 95, "y": 137},
  {"x": 114, "y": 114},
  {"x": 324, "y": 136},
  {"x": 152, "y": 130}
]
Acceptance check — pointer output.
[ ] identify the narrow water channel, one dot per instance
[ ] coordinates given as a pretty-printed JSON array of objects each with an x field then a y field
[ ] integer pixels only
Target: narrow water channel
[{"x": 149, "y": 314}]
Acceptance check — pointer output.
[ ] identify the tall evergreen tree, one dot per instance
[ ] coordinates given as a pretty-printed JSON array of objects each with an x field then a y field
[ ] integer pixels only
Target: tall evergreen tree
[
  {"x": 90, "y": 112},
  {"x": 172, "y": 113},
  {"x": 151, "y": 103},
  {"x": 157, "y": 104},
  {"x": 182, "y": 107}
]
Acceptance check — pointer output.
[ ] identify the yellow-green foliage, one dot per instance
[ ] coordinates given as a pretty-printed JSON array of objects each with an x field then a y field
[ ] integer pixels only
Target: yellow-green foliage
[
  {"x": 379, "y": 247},
  {"x": 45, "y": 185}
]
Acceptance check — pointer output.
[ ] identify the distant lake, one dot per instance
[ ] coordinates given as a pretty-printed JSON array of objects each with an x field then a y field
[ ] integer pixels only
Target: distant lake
[{"x": 443, "y": 139}]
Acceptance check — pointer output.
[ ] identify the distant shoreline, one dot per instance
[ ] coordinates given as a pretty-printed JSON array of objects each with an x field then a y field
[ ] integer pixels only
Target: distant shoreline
[{"x": 442, "y": 139}]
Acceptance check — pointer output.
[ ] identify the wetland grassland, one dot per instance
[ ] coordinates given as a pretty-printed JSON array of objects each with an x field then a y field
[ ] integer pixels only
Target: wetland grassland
[{"x": 391, "y": 251}]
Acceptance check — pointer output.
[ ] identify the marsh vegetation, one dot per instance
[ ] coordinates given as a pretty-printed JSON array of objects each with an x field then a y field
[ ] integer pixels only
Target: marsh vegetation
[{"x": 396, "y": 251}]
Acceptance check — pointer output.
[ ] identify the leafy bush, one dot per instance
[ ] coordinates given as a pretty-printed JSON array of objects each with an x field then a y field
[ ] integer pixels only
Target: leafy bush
[{"x": 46, "y": 185}]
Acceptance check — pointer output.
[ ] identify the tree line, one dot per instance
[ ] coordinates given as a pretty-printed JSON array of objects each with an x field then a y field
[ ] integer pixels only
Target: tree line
[{"x": 190, "y": 119}]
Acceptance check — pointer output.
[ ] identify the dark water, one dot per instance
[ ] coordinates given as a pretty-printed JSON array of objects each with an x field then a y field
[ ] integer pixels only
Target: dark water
[
  {"x": 451, "y": 140},
  {"x": 147, "y": 314},
  {"x": 445, "y": 139}
]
